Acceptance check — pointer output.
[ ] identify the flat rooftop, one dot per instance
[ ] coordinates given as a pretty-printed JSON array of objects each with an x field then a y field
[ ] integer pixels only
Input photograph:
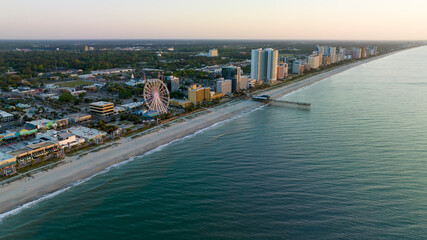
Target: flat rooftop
[
  {"x": 5, "y": 114},
  {"x": 5, "y": 156},
  {"x": 75, "y": 115},
  {"x": 54, "y": 136},
  {"x": 133, "y": 104},
  {"x": 20, "y": 151},
  {"x": 40, "y": 145},
  {"x": 85, "y": 132},
  {"x": 100, "y": 103},
  {"x": 25, "y": 146},
  {"x": 15, "y": 130},
  {"x": 40, "y": 121}
]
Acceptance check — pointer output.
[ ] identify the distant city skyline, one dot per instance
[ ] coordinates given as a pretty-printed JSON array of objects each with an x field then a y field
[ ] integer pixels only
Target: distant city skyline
[{"x": 220, "y": 19}]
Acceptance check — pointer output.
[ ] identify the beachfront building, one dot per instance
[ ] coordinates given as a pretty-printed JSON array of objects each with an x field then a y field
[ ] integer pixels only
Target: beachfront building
[
  {"x": 252, "y": 83},
  {"x": 32, "y": 153},
  {"x": 26, "y": 152},
  {"x": 319, "y": 52},
  {"x": 102, "y": 108},
  {"x": 306, "y": 67},
  {"x": 282, "y": 71},
  {"x": 363, "y": 52},
  {"x": 264, "y": 64},
  {"x": 198, "y": 94},
  {"x": 373, "y": 50},
  {"x": 332, "y": 53},
  {"x": 90, "y": 135},
  {"x": 233, "y": 73},
  {"x": 244, "y": 82},
  {"x": 224, "y": 86},
  {"x": 63, "y": 138},
  {"x": 341, "y": 54},
  {"x": 314, "y": 61},
  {"x": 326, "y": 61},
  {"x": 355, "y": 53},
  {"x": 214, "y": 95},
  {"x": 327, "y": 56},
  {"x": 5, "y": 116},
  {"x": 7, "y": 164},
  {"x": 296, "y": 68},
  {"x": 180, "y": 103}
]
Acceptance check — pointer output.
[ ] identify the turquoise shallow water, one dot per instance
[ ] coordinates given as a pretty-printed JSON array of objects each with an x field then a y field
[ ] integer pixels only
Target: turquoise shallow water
[{"x": 354, "y": 167}]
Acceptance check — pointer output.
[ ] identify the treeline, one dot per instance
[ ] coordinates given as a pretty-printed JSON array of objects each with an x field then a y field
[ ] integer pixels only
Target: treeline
[
  {"x": 125, "y": 92},
  {"x": 192, "y": 74},
  {"x": 33, "y": 62},
  {"x": 30, "y": 63},
  {"x": 172, "y": 61}
]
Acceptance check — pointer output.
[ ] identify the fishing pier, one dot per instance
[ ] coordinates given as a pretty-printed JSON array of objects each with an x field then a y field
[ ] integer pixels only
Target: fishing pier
[{"x": 281, "y": 103}]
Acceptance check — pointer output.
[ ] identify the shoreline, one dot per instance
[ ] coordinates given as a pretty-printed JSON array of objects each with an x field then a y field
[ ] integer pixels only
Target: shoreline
[{"x": 25, "y": 193}]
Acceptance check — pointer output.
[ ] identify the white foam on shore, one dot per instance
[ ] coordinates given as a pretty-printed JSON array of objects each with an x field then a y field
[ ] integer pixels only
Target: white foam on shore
[{"x": 78, "y": 182}]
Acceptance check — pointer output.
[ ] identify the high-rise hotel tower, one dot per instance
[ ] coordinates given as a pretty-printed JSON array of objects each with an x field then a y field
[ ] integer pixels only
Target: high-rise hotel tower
[{"x": 264, "y": 64}]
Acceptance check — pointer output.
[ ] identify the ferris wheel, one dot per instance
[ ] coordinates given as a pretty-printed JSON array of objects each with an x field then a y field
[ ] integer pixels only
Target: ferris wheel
[{"x": 156, "y": 95}]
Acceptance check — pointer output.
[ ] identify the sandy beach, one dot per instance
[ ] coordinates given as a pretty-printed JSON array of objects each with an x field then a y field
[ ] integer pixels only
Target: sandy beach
[{"x": 23, "y": 191}]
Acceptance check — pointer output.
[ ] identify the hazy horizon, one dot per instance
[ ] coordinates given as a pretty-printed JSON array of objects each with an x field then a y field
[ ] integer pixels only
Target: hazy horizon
[
  {"x": 207, "y": 39},
  {"x": 214, "y": 20}
]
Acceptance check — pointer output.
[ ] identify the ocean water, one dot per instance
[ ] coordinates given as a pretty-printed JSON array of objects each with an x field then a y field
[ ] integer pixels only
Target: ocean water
[{"x": 354, "y": 167}]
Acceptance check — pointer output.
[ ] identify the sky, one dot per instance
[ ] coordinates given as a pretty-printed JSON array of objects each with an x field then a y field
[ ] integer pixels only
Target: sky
[{"x": 214, "y": 19}]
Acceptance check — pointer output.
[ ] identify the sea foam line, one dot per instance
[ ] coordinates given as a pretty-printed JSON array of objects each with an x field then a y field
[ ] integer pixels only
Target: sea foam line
[{"x": 117, "y": 165}]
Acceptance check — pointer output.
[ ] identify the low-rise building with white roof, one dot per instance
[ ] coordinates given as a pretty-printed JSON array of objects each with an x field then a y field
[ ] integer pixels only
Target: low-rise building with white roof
[{"x": 5, "y": 116}]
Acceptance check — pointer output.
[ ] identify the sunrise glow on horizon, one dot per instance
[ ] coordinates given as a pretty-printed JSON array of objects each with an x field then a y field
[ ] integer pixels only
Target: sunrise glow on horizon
[{"x": 220, "y": 19}]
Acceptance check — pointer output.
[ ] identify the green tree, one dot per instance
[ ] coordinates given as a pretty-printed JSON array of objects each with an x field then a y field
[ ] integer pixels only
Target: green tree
[
  {"x": 125, "y": 94},
  {"x": 66, "y": 97}
]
